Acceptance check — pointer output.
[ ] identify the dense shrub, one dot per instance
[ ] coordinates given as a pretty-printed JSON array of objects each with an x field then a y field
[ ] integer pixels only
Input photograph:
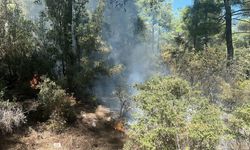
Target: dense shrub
[
  {"x": 236, "y": 98},
  {"x": 205, "y": 69},
  {"x": 11, "y": 116},
  {"x": 54, "y": 101},
  {"x": 174, "y": 117}
]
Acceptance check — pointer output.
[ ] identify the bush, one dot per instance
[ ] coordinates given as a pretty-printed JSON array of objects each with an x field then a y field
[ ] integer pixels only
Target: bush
[
  {"x": 205, "y": 128},
  {"x": 174, "y": 117},
  {"x": 53, "y": 99},
  {"x": 239, "y": 126},
  {"x": 206, "y": 69},
  {"x": 11, "y": 116},
  {"x": 56, "y": 123}
]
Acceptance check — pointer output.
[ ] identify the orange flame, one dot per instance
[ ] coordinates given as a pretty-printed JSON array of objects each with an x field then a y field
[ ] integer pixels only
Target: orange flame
[
  {"x": 35, "y": 81},
  {"x": 119, "y": 126}
]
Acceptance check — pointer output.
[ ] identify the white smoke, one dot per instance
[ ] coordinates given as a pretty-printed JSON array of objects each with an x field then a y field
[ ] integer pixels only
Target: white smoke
[
  {"x": 129, "y": 47},
  {"x": 31, "y": 9}
]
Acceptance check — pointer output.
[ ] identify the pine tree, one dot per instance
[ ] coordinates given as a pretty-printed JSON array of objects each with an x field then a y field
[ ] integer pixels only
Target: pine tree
[{"x": 202, "y": 22}]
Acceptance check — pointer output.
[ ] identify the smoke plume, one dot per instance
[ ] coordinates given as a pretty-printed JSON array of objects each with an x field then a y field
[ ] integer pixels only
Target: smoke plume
[{"x": 131, "y": 45}]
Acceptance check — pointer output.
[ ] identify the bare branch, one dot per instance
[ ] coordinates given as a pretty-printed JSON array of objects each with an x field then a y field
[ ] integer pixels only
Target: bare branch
[
  {"x": 240, "y": 32},
  {"x": 241, "y": 10},
  {"x": 241, "y": 20}
]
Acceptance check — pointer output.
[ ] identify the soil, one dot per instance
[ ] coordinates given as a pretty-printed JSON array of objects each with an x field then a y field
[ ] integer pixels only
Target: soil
[{"x": 74, "y": 137}]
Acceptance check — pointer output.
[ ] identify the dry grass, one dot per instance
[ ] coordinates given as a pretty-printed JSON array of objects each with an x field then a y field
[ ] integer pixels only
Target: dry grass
[
  {"x": 76, "y": 137},
  {"x": 11, "y": 116}
]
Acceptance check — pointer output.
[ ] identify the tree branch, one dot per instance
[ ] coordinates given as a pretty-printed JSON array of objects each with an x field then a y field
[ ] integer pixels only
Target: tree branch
[
  {"x": 245, "y": 2},
  {"x": 240, "y": 32},
  {"x": 241, "y": 20},
  {"x": 241, "y": 10},
  {"x": 240, "y": 13}
]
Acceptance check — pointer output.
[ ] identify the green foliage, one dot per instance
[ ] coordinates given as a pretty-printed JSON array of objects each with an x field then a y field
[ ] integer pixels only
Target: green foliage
[
  {"x": 202, "y": 21},
  {"x": 206, "y": 128},
  {"x": 159, "y": 16},
  {"x": 174, "y": 117},
  {"x": 157, "y": 12},
  {"x": 237, "y": 97},
  {"x": 239, "y": 125},
  {"x": 224, "y": 85},
  {"x": 204, "y": 69},
  {"x": 16, "y": 42},
  {"x": 66, "y": 44},
  {"x": 234, "y": 96},
  {"x": 93, "y": 60},
  {"x": 242, "y": 36},
  {"x": 77, "y": 40},
  {"x": 54, "y": 101},
  {"x": 56, "y": 123}
]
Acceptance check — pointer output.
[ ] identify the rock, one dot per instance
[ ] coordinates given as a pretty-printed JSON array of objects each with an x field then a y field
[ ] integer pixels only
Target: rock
[
  {"x": 93, "y": 124},
  {"x": 57, "y": 145}
]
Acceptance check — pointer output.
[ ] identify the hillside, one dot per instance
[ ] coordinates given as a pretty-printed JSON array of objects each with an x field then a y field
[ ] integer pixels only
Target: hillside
[{"x": 77, "y": 136}]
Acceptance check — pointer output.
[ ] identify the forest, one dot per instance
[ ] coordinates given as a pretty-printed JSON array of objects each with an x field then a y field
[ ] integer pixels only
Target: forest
[{"x": 124, "y": 75}]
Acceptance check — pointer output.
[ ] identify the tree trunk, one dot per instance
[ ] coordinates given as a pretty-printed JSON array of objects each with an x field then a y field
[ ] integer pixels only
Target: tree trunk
[
  {"x": 159, "y": 38},
  {"x": 194, "y": 42},
  {"x": 229, "y": 39},
  {"x": 153, "y": 38},
  {"x": 77, "y": 49},
  {"x": 68, "y": 51},
  {"x": 206, "y": 32}
]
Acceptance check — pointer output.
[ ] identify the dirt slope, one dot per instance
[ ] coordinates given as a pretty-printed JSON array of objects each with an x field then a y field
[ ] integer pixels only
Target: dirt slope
[{"x": 75, "y": 137}]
